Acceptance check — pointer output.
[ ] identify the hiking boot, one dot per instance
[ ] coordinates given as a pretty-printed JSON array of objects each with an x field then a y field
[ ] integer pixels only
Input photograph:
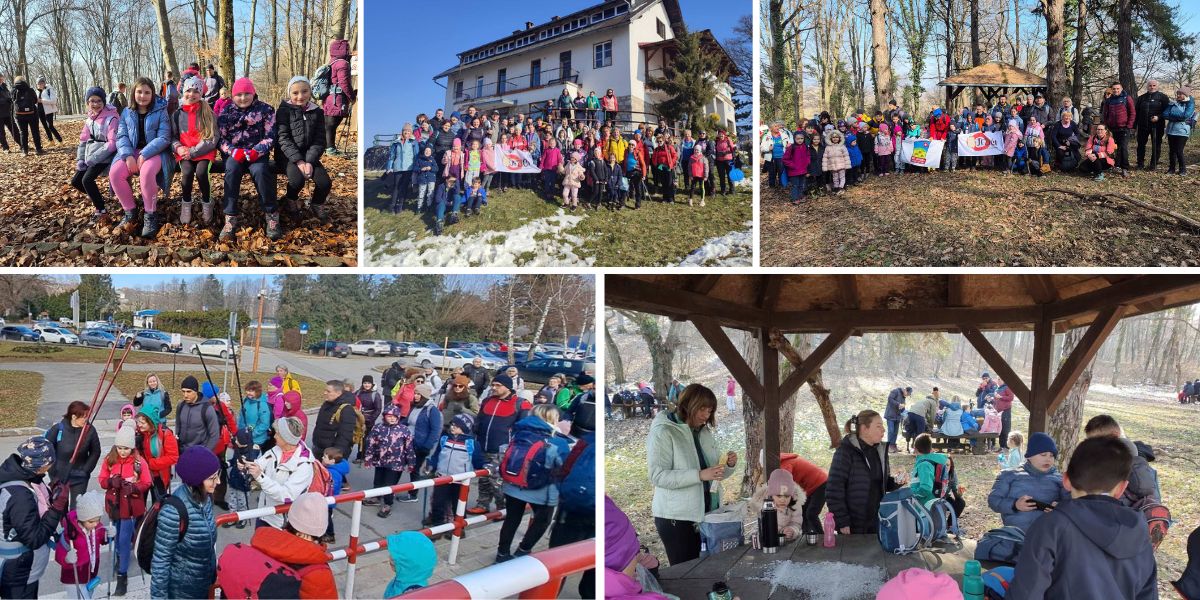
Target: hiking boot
[
  {"x": 229, "y": 230},
  {"x": 150, "y": 225},
  {"x": 98, "y": 214},
  {"x": 505, "y": 557},
  {"x": 322, "y": 213},
  {"x": 185, "y": 212},
  {"x": 292, "y": 207},
  {"x": 206, "y": 211},
  {"x": 122, "y": 585},
  {"x": 274, "y": 230},
  {"x": 129, "y": 221},
  {"x": 477, "y": 510}
]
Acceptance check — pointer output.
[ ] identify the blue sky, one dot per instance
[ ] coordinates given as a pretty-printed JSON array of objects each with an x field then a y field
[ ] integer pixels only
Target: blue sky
[{"x": 402, "y": 58}]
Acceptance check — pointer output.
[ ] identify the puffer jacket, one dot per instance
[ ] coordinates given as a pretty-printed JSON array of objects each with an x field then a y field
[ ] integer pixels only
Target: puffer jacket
[
  {"x": 197, "y": 425},
  {"x": 63, "y": 438},
  {"x": 124, "y": 499},
  {"x": 1177, "y": 116},
  {"x": 300, "y": 135},
  {"x": 185, "y": 134},
  {"x": 816, "y": 155},
  {"x": 848, "y": 490},
  {"x": 26, "y": 519},
  {"x": 390, "y": 446},
  {"x": 456, "y": 454},
  {"x": 574, "y": 176},
  {"x": 674, "y": 467},
  {"x": 250, "y": 128},
  {"x": 160, "y": 450},
  {"x": 1108, "y": 148},
  {"x": 85, "y": 565},
  {"x": 426, "y": 424},
  {"x": 338, "y": 105},
  {"x": 836, "y": 157},
  {"x": 98, "y": 138},
  {"x": 556, "y": 451},
  {"x": 895, "y": 404},
  {"x": 1004, "y": 398},
  {"x": 187, "y": 568},
  {"x": 156, "y": 402},
  {"x": 496, "y": 418},
  {"x": 952, "y": 419},
  {"x": 335, "y": 425},
  {"x": 1143, "y": 481},
  {"x": 283, "y": 481},
  {"x": 158, "y": 131},
  {"x": 852, "y": 148},
  {"x": 1118, "y": 112},
  {"x": 1025, "y": 480},
  {"x": 786, "y": 516},
  {"x": 371, "y": 403}
]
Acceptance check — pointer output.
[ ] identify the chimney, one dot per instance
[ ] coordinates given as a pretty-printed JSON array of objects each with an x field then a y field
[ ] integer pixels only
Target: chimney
[{"x": 528, "y": 25}]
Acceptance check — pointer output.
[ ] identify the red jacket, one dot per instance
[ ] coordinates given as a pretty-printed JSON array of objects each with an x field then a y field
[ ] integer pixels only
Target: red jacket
[
  {"x": 168, "y": 453},
  {"x": 666, "y": 154},
  {"x": 404, "y": 398},
  {"x": 124, "y": 499},
  {"x": 939, "y": 127},
  {"x": 227, "y": 433},
  {"x": 1116, "y": 113},
  {"x": 806, "y": 475},
  {"x": 1004, "y": 399}
]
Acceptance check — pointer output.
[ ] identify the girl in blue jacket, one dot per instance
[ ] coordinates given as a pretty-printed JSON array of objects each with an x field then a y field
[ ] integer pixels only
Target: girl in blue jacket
[{"x": 143, "y": 138}]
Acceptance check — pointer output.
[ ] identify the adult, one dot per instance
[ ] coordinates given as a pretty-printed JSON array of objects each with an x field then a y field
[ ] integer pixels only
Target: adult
[
  {"x": 1150, "y": 123},
  {"x": 498, "y": 413},
  {"x": 892, "y": 414},
  {"x": 296, "y": 545},
  {"x": 336, "y": 420},
  {"x": 1188, "y": 584},
  {"x": 169, "y": 91},
  {"x": 47, "y": 108},
  {"x": 1038, "y": 110},
  {"x": 1069, "y": 106},
  {"x": 459, "y": 398},
  {"x": 283, "y": 472},
  {"x": 118, "y": 99},
  {"x": 684, "y": 460},
  {"x": 401, "y": 156},
  {"x": 1119, "y": 115},
  {"x": 549, "y": 392},
  {"x": 673, "y": 391},
  {"x": 609, "y": 105},
  {"x": 196, "y": 423},
  {"x": 213, "y": 84},
  {"x": 256, "y": 416},
  {"x": 186, "y": 568},
  {"x": 986, "y": 388},
  {"x": 157, "y": 444},
  {"x": 922, "y": 413},
  {"x": 371, "y": 402},
  {"x": 478, "y": 374},
  {"x": 1003, "y": 404},
  {"x": 155, "y": 399},
  {"x": 25, "y": 105},
  {"x": 439, "y": 117},
  {"x": 581, "y": 409},
  {"x": 725, "y": 149},
  {"x": 939, "y": 124},
  {"x": 774, "y": 144},
  {"x": 391, "y": 377},
  {"x": 1002, "y": 106},
  {"x": 341, "y": 92},
  {"x": 29, "y": 518},
  {"x": 859, "y": 475},
  {"x": 1065, "y": 138},
  {"x": 287, "y": 380},
  {"x": 64, "y": 438},
  {"x": 425, "y": 421},
  {"x": 6, "y": 117},
  {"x": 1179, "y": 116},
  {"x": 1098, "y": 152}
]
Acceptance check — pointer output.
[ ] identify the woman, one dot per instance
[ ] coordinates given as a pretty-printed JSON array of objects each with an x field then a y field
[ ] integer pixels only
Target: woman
[
  {"x": 550, "y": 390},
  {"x": 541, "y": 500},
  {"x": 1063, "y": 136},
  {"x": 859, "y": 476},
  {"x": 64, "y": 437},
  {"x": 126, "y": 478},
  {"x": 725, "y": 149},
  {"x": 609, "y": 104},
  {"x": 47, "y": 107},
  {"x": 154, "y": 400},
  {"x": 684, "y": 461},
  {"x": 159, "y": 448},
  {"x": 25, "y": 105},
  {"x": 187, "y": 568},
  {"x": 402, "y": 155},
  {"x": 664, "y": 161},
  {"x": 295, "y": 545},
  {"x": 289, "y": 383},
  {"x": 1179, "y": 115},
  {"x": 1098, "y": 152},
  {"x": 143, "y": 141},
  {"x": 337, "y": 103},
  {"x": 284, "y": 472},
  {"x": 97, "y": 145},
  {"x": 301, "y": 142}
]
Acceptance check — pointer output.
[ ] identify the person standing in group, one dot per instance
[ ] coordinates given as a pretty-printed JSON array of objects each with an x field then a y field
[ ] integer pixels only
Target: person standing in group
[
  {"x": 341, "y": 93},
  {"x": 25, "y": 107},
  {"x": 336, "y": 420},
  {"x": 194, "y": 141},
  {"x": 609, "y": 104},
  {"x": 186, "y": 567},
  {"x": 64, "y": 439},
  {"x": 143, "y": 144},
  {"x": 498, "y": 413},
  {"x": 534, "y": 487},
  {"x": 1119, "y": 116},
  {"x": 371, "y": 402},
  {"x": 6, "y": 117},
  {"x": 169, "y": 91},
  {"x": 78, "y": 550},
  {"x": 126, "y": 478},
  {"x": 1179, "y": 116},
  {"x": 892, "y": 414},
  {"x": 425, "y": 421},
  {"x": 859, "y": 475},
  {"x": 401, "y": 166},
  {"x": 47, "y": 108},
  {"x": 118, "y": 98},
  {"x": 1150, "y": 123},
  {"x": 97, "y": 146},
  {"x": 159, "y": 448},
  {"x": 284, "y": 472},
  {"x": 300, "y": 143},
  {"x": 155, "y": 399},
  {"x": 730, "y": 394},
  {"x": 390, "y": 452},
  {"x": 196, "y": 423},
  {"x": 214, "y": 84},
  {"x": 30, "y": 517}
]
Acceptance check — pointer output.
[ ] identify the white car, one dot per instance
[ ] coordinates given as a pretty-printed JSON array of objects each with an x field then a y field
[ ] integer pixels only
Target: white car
[
  {"x": 56, "y": 335},
  {"x": 371, "y": 347},
  {"x": 216, "y": 347},
  {"x": 451, "y": 358}
]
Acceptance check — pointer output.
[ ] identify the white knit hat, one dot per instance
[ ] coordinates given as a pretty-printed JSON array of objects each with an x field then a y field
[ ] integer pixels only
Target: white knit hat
[
  {"x": 89, "y": 506},
  {"x": 125, "y": 436}
]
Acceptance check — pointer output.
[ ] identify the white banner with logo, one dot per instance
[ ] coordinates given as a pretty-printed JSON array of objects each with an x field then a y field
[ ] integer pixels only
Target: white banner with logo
[
  {"x": 921, "y": 152},
  {"x": 980, "y": 143},
  {"x": 515, "y": 161}
]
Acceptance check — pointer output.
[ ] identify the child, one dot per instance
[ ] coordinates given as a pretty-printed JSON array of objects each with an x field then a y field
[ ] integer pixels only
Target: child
[
  {"x": 698, "y": 169},
  {"x": 454, "y": 164},
  {"x": 194, "y": 141},
  {"x": 1011, "y": 136},
  {"x": 86, "y": 536},
  {"x": 299, "y": 147},
  {"x": 426, "y": 176},
  {"x": 796, "y": 161},
  {"x": 856, "y": 157},
  {"x": 390, "y": 451},
  {"x": 247, "y": 130},
  {"x": 598, "y": 171},
  {"x": 127, "y": 413},
  {"x": 991, "y": 422},
  {"x": 816, "y": 154},
  {"x": 950, "y": 150},
  {"x": 551, "y": 163},
  {"x": 245, "y": 451},
  {"x": 1017, "y": 491},
  {"x": 222, "y": 102},
  {"x": 897, "y": 144},
  {"x": 1143, "y": 480},
  {"x": 1020, "y": 159},
  {"x": 1090, "y": 547},
  {"x": 836, "y": 159},
  {"x": 924, "y": 482},
  {"x": 339, "y": 469},
  {"x": 866, "y": 139},
  {"x": 1038, "y": 156},
  {"x": 1034, "y": 131},
  {"x": 635, "y": 162},
  {"x": 538, "y": 427},
  {"x": 488, "y": 165},
  {"x": 476, "y": 198},
  {"x": 126, "y": 478},
  {"x": 457, "y": 452},
  {"x": 883, "y": 149},
  {"x": 97, "y": 146},
  {"x": 143, "y": 136},
  {"x": 788, "y": 499},
  {"x": 412, "y": 558},
  {"x": 446, "y": 196},
  {"x": 472, "y": 163},
  {"x": 572, "y": 181},
  {"x": 616, "y": 198},
  {"x": 1012, "y": 459}
]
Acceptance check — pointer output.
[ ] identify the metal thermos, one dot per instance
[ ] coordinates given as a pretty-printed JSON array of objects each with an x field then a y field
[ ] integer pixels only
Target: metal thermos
[
  {"x": 720, "y": 591},
  {"x": 811, "y": 539},
  {"x": 768, "y": 528}
]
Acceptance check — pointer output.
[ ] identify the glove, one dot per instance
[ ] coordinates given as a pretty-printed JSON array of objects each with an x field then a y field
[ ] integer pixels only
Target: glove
[
  {"x": 60, "y": 494},
  {"x": 253, "y": 155},
  {"x": 81, "y": 166},
  {"x": 239, "y": 155}
]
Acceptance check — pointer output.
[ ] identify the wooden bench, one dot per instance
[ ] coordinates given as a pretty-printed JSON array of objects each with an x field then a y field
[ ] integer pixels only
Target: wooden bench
[{"x": 942, "y": 441}]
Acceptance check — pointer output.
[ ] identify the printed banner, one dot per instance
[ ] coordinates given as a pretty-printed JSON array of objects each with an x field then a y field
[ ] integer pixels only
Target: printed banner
[
  {"x": 980, "y": 143},
  {"x": 515, "y": 161},
  {"x": 921, "y": 152}
]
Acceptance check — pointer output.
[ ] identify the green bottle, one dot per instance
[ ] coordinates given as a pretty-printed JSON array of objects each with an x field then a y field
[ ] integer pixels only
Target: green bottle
[{"x": 972, "y": 581}]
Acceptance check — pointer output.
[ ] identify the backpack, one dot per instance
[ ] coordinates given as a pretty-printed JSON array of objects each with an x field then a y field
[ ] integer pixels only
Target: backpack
[
  {"x": 904, "y": 525},
  {"x": 996, "y": 582},
  {"x": 360, "y": 423},
  {"x": 10, "y": 549},
  {"x": 1001, "y": 545},
  {"x": 944, "y": 517},
  {"x": 247, "y": 572},
  {"x": 25, "y": 102},
  {"x": 143, "y": 538},
  {"x": 577, "y": 491},
  {"x": 322, "y": 82},
  {"x": 1158, "y": 519},
  {"x": 322, "y": 481},
  {"x": 524, "y": 462},
  {"x": 943, "y": 478},
  {"x": 623, "y": 185}
]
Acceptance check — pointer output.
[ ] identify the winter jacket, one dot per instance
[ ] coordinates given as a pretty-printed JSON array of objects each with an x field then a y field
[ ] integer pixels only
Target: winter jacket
[
  {"x": 1004, "y": 398},
  {"x": 390, "y": 446},
  {"x": 371, "y": 404},
  {"x": 335, "y": 425},
  {"x": 402, "y": 396},
  {"x": 991, "y": 418},
  {"x": 791, "y": 515},
  {"x": 283, "y": 481},
  {"x": 665, "y": 155},
  {"x": 158, "y": 132},
  {"x": 796, "y": 160},
  {"x": 724, "y": 148},
  {"x": 85, "y": 565},
  {"x": 806, "y": 474},
  {"x": 63, "y": 437},
  {"x": 426, "y": 169},
  {"x": 402, "y": 155},
  {"x": 925, "y": 407},
  {"x": 49, "y": 100},
  {"x": 1118, "y": 112},
  {"x": 616, "y": 146},
  {"x": 187, "y": 568},
  {"x": 852, "y": 148},
  {"x": 425, "y": 421},
  {"x": 495, "y": 420},
  {"x": 609, "y": 103},
  {"x": 1057, "y": 135},
  {"x": 291, "y": 404},
  {"x": 98, "y": 139},
  {"x": 1025, "y": 480},
  {"x": 1143, "y": 481},
  {"x": 453, "y": 405},
  {"x": 556, "y": 452},
  {"x": 6, "y": 100},
  {"x": 154, "y": 402},
  {"x": 301, "y": 134},
  {"x": 551, "y": 159},
  {"x": 185, "y": 134},
  {"x": 160, "y": 450},
  {"x": 674, "y": 467},
  {"x": 1011, "y": 135},
  {"x": 1042, "y": 113},
  {"x": 255, "y": 415},
  {"x": 338, "y": 104},
  {"x": 250, "y": 128},
  {"x": 1020, "y": 159},
  {"x": 1178, "y": 115},
  {"x": 456, "y": 454},
  {"x": 769, "y": 144},
  {"x": 1107, "y": 149},
  {"x": 952, "y": 419},
  {"x": 298, "y": 553},
  {"x": 238, "y": 479},
  {"x": 835, "y": 157},
  {"x": 212, "y": 88},
  {"x": 1090, "y": 547},
  {"x": 923, "y": 475},
  {"x": 698, "y": 166},
  {"x": 848, "y": 493},
  {"x": 124, "y": 499},
  {"x": 574, "y": 176},
  {"x": 939, "y": 127},
  {"x": 27, "y": 520},
  {"x": 1151, "y": 104},
  {"x": 895, "y": 405},
  {"x": 197, "y": 425}
]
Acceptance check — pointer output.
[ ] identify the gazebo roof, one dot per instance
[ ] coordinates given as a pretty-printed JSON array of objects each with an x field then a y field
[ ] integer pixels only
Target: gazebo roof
[{"x": 995, "y": 74}]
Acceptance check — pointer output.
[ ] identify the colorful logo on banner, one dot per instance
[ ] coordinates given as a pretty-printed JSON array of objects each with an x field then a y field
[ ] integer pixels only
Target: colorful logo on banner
[
  {"x": 920, "y": 152},
  {"x": 515, "y": 161},
  {"x": 980, "y": 142}
]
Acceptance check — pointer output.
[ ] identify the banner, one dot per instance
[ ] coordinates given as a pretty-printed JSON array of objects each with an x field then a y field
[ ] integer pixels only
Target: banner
[
  {"x": 921, "y": 152},
  {"x": 980, "y": 143},
  {"x": 515, "y": 161}
]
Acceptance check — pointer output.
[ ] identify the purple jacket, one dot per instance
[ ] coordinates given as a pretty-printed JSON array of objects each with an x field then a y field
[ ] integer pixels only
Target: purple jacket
[{"x": 338, "y": 105}]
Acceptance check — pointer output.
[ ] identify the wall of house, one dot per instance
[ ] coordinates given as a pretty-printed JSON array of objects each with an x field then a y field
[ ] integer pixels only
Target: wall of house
[{"x": 643, "y": 29}]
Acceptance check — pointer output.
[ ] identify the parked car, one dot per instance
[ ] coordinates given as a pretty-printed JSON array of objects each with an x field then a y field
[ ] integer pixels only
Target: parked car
[
  {"x": 459, "y": 344},
  {"x": 539, "y": 371},
  {"x": 19, "y": 333},
  {"x": 452, "y": 358},
  {"x": 501, "y": 359},
  {"x": 216, "y": 347},
  {"x": 371, "y": 347},
  {"x": 155, "y": 341},
  {"x": 330, "y": 348},
  {"x": 521, "y": 346},
  {"x": 56, "y": 335},
  {"x": 67, "y": 321},
  {"x": 399, "y": 348},
  {"x": 97, "y": 337}
]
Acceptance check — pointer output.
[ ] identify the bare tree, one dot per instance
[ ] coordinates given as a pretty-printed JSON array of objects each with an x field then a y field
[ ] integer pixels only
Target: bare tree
[
  {"x": 164, "y": 35},
  {"x": 225, "y": 40},
  {"x": 882, "y": 63}
]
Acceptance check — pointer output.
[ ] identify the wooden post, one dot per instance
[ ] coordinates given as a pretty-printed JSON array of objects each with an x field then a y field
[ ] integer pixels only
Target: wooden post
[
  {"x": 712, "y": 333},
  {"x": 1039, "y": 388},
  {"x": 771, "y": 399},
  {"x": 997, "y": 363}
]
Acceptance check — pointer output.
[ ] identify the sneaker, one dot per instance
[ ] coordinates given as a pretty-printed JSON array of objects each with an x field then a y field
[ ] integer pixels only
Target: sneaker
[
  {"x": 407, "y": 498},
  {"x": 228, "y": 525},
  {"x": 98, "y": 214},
  {"x": 292, "y": 207},
  {"x": 185, "y": 212},
  {"x": 384, "y": 512},
  {"x": 477, "y": 510},
  {"x": 503, "y": 557},
  {"x": 520, "y": 552},
  {"x": 150, "y": 225},
  {"x": 1098, "y": 177},
  {"x": 372, "y": 502},
  {"x": 229, "y": 230},
  {"x": 274, "y": 230}
]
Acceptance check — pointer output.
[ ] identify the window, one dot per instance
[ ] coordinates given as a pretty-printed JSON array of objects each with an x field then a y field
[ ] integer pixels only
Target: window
[
  {"x": 535, "y": 73},
  {"x": 543, "y": 35},
  {"x": 479, "y": 87},
  {"x": 662, "y": 29},
  {"x": 596, "y": 17},
  {"x": 564, "y": 64},
  {"x": 602, "y": 55},
  {"x": 501, "y": 80},
  {"x": 458, "y": 90}
]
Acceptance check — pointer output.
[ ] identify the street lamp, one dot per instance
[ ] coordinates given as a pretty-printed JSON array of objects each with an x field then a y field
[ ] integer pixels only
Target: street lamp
[{"x": 262, "y": 297}]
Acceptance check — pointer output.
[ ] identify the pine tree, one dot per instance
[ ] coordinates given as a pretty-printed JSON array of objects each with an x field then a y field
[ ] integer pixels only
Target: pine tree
[
  {"x": 97, "y": 294},
  {"x": 212, "y": 293},
  {"x": 690, "y": 80}
]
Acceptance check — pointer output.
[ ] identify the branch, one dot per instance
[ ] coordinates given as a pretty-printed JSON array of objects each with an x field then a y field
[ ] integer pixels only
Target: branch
[{"x": 1188, "y": 221}]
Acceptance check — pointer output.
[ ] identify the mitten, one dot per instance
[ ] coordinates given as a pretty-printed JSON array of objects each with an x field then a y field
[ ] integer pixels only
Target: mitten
[{"x": 252, "y": 155}]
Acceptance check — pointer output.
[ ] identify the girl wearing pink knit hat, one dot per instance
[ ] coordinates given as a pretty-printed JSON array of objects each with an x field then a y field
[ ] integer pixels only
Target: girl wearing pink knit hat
[
  {"x": 789, "y": 502},
  {"x": 247, "y": 136}
]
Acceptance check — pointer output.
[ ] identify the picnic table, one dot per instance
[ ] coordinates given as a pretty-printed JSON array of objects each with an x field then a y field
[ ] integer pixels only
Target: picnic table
[
  {"x": 742, "y": 568},
  {"x": 942, "y": 441}
]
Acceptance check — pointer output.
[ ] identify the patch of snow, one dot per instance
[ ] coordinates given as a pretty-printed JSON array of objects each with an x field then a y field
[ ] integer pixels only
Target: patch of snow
[
  {"x": 735, "y": 249},
  {"x": 826, "y": 580},
  {"x": 478, "y": 249}
]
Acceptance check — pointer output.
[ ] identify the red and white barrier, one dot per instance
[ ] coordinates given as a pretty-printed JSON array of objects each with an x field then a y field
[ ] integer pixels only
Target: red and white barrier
[{"x": 533, "y": 577}]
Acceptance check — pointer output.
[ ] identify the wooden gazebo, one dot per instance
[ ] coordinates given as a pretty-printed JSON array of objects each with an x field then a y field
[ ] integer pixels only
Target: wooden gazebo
[
  {"x": 993, "y": 79},
  {"x": 846, "y": 305}
]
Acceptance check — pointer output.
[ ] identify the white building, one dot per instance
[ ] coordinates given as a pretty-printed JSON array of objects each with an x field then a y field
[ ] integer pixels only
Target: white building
[{"x": 616, "y": 44}]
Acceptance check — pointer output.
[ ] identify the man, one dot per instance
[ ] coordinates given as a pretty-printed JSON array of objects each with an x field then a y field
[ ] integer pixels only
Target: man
[
  {"x": 478, "y": 374},
  {"x": 497, "y": 415},
  {"x": 582, "y": 410},
  {"x": 1150, "y": 123},
  {"x": 118, "y": 99},
  {"x": 336, "y": 420},
  {"x": 1119, "y": 115},
  {"x": 1002, "y": 106},
  {"x": 169, "y": 91},
  {"x": 895, "y": 406},
  {"x": 6, "y": 116},
  {"x": 438, "y": 118},
  {"x": 213, "y": 84},
  {"x": 196, "y": 422},
  {"x": 1039, "y": 110},
  {"x": 986, "y": 387},
  {"x": 923, "y": 412}
]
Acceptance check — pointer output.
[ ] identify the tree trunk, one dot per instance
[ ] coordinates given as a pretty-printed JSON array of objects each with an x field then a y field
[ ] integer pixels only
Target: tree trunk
[
  {"x": 1080, "y": 35},
  {"x": 614, "y": 357},
  {"x": 1065, "y": 423},
  {"x": 275, "y": 42},
  {"x": 799, "y": 77},
  {"x": 1125, "y": 47},
  {"x": 778, "y": 67},
  {"x": 879, "y": 47},
  {"x": 340, "y": 16},
  {"x": 662, "y": 350},
  {"x": 1017, "y": 37},
  {"x": 976, "y": 55},
  {"x": 537, "y": 333},
  {"x": 250, "y": 35},
  {"x": 816, "y": 383},
  {"x": 225, "y": 38},
  {"x": 1056, "y": 66},
  {"x": 753, "y": 421},
  {"x": 1117, "y": 360},
  {"x": 164, "y": 36},
  {"x": 287, "y": 26}
]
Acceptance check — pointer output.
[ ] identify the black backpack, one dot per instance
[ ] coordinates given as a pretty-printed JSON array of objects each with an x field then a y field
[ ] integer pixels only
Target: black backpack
[
  {"x": 143, "y": 539},
  {"x": 25, "y": 99}
]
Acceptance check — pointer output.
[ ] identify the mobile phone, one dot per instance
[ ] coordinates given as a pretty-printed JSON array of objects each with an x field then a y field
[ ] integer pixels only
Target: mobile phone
[{"x": 1042, "y": 505}]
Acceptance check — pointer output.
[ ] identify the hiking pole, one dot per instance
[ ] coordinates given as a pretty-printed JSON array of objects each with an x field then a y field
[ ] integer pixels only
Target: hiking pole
[{"x": 98, "y": 401}]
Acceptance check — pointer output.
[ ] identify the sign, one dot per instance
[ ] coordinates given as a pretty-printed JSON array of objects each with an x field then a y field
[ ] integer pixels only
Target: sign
[
  {"x": 176, "y": 340},
  {"x": 515, "y": 161},
  {"x": 303, "y": 327},
  {"x": 75, "y": 307},
  {"x": 981, "y": 143},
  {"x": 233, "y": 319},
  {"x": 921, "y": 152}
]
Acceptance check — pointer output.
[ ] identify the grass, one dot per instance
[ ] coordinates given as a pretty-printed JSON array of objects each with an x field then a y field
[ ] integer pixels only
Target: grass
[
  {"x": 76, "y": 354},
  {"x": 130, "y": 383},
  {"x": 20, "y": 392}
]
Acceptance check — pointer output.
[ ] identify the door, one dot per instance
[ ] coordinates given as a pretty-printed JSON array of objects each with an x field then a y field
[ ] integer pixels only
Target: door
[
  {"x": 501, "y": 81},
  {"x": 564, "y": 65},
  {"x": 535, "y": 73}
]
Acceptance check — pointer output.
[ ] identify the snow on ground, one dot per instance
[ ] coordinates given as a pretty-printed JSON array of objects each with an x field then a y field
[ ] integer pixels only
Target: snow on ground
[
  {"x": 540, "y": 243},
  {"x": 734, "y": 249}
]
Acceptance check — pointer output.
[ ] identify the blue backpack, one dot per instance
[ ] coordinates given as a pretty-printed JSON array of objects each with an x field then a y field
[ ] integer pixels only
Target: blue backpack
[
  {"x": 577, "y": 491},
  {"x": 525, "y": 460},
  {"x": 1001, "y": 545},
  {"x": 996, "y": 582},
  {"x": 904, "y": 525}
]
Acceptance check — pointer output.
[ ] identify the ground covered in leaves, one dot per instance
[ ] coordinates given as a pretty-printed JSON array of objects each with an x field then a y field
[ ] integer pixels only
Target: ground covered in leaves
[
  {"x": 519, "y": 228},
  {"x": 981, "y": 218},
  {"x": 46, "y": 222}
]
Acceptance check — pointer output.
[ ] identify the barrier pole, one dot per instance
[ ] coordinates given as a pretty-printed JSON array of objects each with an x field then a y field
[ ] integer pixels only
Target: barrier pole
[
  {"x": 459, "y": 523},
  {"x": 352, "y": 548}
]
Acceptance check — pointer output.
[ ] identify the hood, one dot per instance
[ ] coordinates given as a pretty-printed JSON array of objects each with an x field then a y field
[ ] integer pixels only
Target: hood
[
  {"x": 287, "y": 548},
  {"x": 339, "y": 49},
  {"x": 663, "y": 419},
  {"x": 414, "y": 558},
  {"x": 106, "y": 112},
  {"x": 131, "y": 408},
  {"x": 342, "y": 466},
  {"x": 295, "y": 400},
  {"x": 24, "y": 85},
  {"x": 311, "y": 106},
  {"x": 936, "y": 458},
  {"x": 155, "y": 419},
  {"x": 12, "y": 470},
  {"x": 391, "y": 410},
  {"x": 534, "y": 423},
  {"x": 829, "y": 135},
  {"x": 1120, "y": 532}
]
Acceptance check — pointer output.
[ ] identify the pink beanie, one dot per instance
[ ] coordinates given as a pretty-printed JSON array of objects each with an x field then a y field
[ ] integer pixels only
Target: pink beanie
[
  {"x": 922, "y": 584},
  {"x": 780, "y": 483},
  {"x": 243, "y": 86}
]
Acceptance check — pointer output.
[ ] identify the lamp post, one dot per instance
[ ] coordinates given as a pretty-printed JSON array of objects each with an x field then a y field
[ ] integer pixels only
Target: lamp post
[{"x": 262, "y": 297}]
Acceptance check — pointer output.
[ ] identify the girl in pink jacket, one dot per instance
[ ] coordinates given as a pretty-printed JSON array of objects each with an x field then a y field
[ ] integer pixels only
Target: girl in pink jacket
[{"x": 789, "y": 503}]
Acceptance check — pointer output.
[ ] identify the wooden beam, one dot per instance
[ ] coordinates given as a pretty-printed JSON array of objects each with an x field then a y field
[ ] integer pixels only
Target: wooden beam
[
  {"x": 902, "y": 319},
  {"x": 997, "y": 363},
  {"x": 1043, "y": 344},
  {"x": 954, "y": 290},
  {"x": 712, "y": 333},
  {"x": 768, "y": 292},
  {"x": 1040, "y": 288},
  {"x": 772, "y": 400},
  {"x": 1142, "y": 288},
  {"x": 1083, "y": 354},
  {"x": 848, "y": 286},
  {"x": 621, "y": 291},
  {"x": 704, "y": 284},
  {"x": 804, "y": 370}
]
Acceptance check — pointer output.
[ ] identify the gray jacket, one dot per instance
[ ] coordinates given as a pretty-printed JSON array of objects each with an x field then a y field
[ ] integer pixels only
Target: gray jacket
[{"x": 197, "y": 425}]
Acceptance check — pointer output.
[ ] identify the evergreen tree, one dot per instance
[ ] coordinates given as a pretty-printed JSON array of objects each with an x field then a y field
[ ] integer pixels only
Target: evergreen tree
[
  {"x": 690, "y": 80},
  {"x": 97, "y": 296},
  {"x": 212, "y": 293}
]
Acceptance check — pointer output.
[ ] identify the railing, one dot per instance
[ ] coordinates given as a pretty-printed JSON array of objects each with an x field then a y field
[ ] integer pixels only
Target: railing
[
  {"x": 627, "y": 119},
  {"x": 536, "y": 576},
  {"x": 473, "y": 90}
]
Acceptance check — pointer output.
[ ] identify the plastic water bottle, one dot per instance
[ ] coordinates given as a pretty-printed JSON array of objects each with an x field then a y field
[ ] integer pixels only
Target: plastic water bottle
[
  {"x": 720, "y": 591},
  {"x": 829, "y": 530},
  {"x": 972, "y": 581}
]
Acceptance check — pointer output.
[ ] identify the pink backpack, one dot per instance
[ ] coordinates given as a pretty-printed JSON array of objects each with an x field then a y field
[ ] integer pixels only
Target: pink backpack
[{"x": 244, "y": 571}]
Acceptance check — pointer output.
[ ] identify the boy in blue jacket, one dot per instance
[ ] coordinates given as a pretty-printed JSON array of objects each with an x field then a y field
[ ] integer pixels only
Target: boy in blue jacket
[
  {"x": 425, "y": 170},
  {"x": 1017, "y": 491},
  {"x": 339, "y": 468},
  {"x": 446, "y": 196},
  {"x": 1091, "y": 546},
  {"x": 456, "y": 453}
]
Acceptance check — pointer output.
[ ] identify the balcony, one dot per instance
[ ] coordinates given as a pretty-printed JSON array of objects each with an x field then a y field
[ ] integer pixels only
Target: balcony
[{"x": 495, "y": 90}]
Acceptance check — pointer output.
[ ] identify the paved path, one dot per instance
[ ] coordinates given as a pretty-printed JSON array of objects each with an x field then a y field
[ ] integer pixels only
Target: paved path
[{"x": 63, "y": 383}]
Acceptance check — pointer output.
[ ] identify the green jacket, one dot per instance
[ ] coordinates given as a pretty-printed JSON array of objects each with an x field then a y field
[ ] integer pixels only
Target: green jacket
[
  {"x": 562, "y": 399},
  {"x": 923, "y": 475},
  {"x": 926, "y": 407},
  {"x": 675, "y": 468}
]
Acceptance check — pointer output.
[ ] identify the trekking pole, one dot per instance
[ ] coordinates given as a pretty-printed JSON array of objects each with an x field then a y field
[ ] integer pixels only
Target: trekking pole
[
  {"x": 98, "y": 401},
  {"x": 207, "y": 375}
]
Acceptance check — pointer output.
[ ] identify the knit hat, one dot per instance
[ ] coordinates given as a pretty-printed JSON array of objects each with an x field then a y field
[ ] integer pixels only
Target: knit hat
[
  {"x": 620, "y": 539},
  {"x": 1039, "y": 443},
  {"x": 937, "y": 112},
  {"x": 920, "y": 583},
  {"x": 36, "y": 453},
  {"x": 126, "y": 437},
  {"x": 41, "y": 80},
  {"x": 192, "y": 83},
  {"x": 244, "y": 437},
  {"x": 208, "y": 390},
  {"x": 1187, "y": 91},
  {"x": 780, "y": 483},
  {"x": 461, "y": 379},
  {"x": 585, "y": 379},
  {"x": 129, "y": 407},
  {"x": 985, "y": 374},
  {"x": 457, "y": 144},
  {"x": 309, "y": 514},
  {"x": 196, "y": 464},
  {"x": 290, "y": 429},
  {"x": 424, "y": 390},
  {"x": 95, "y": 90},
  {"x": 190, "y": 383},
  {"x": 297, "y": 79},
  {"x": 464, "y": 422},
  {"x": 243, "y": 86},
  {"x": 369, "y": 379},
  {"x": 276, "y": 381},
  {"x": 504, "y": 380},
  {"x": 89, "y": 506}
]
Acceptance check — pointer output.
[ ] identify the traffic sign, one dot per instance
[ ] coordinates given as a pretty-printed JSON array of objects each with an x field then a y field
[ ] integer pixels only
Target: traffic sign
[{"x": 303, "y": 327}]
